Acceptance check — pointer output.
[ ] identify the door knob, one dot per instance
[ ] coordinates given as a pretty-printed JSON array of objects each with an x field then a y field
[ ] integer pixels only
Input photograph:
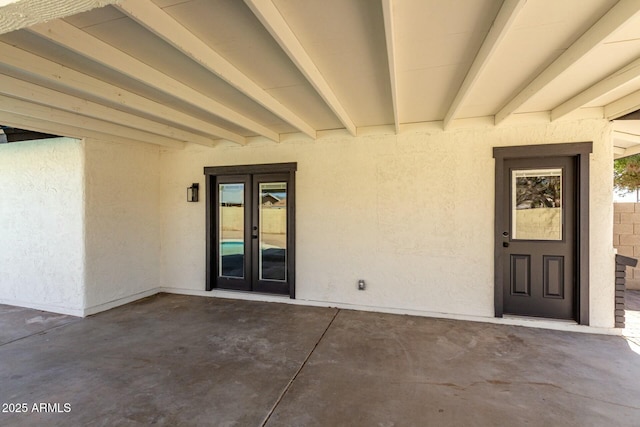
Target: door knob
[
  {"x": 505, "y": 233},
  {"x": 505, "y": 244}
]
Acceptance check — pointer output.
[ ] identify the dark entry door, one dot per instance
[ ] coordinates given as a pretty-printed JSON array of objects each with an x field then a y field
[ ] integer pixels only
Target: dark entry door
[
  {"x": 539, "y": 237},
  {"x": 251, "y": 237}
]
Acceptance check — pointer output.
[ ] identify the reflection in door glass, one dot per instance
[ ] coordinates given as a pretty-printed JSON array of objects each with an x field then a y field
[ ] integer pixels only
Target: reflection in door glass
[
  {"x": 231, "y": 250},
  {"x": 273, "y": 231},
  {"x": 536, "y": 204}
]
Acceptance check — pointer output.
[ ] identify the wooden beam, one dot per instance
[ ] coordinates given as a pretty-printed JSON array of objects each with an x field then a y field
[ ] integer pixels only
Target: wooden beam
[
  {"x": 623, "y": 106},
  {"x": 29, "y": 92},
  {"x": 156, "y": 20},
  {"x": 500, "y": 28},
  {"x": 387, "y": 12},
  {"x": 29, "y": 66},
  {"x": 92, "y": 48},
  {"x": 17, "y": 14},
  {"x": 625, "y": 136},
  {"x": 25, "y": 108},
  {"x": 619, "y": 153},
  {"x": 621, "y": 77},
  {"x": 273, "y": 21},
  {"x": 40, "y": 125},
  {"x": 620, "y": 14}
]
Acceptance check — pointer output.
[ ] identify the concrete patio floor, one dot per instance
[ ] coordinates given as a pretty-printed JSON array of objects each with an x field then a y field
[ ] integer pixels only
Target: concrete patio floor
[{"x": 179, "y": 360}]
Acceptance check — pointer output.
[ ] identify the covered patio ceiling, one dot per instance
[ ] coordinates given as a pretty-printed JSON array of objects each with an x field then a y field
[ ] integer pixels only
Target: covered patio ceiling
[{"x": 203, "y": 71}]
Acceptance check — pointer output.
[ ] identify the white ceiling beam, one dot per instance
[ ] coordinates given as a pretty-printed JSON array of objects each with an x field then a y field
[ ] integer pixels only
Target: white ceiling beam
[
  {"x": 621, "y": 77},
  {"x": 499, "y": 29},
  {"x": 616, "y": 17},
  {"x": 619, "y": 153},
  {"x": 273, "y": 21},
  {"x": 623, "y": 106},
  {"x": 40, "y": 125},
  {"x": 387, "y": 12},
  {"x": 26, "y": 91},
  {"x": 625, "y": 136},
  {"x": 94, "y": 49},
  {"x": 25, "y": 108},
  {"x": 16, "y": 14},
  {"x": 60, "y": 77},
  {"x": 156, "y": 20}
]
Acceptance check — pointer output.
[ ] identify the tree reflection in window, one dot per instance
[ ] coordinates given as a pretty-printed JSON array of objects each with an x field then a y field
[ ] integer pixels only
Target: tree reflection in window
[{"x": 538, "y": 192}]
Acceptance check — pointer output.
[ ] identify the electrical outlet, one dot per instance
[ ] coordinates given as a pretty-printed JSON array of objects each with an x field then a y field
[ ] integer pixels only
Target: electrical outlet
[{"x": 361, "y": 285}]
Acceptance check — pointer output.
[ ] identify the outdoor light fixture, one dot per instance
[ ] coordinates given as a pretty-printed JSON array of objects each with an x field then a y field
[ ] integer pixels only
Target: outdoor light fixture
[{"x": 192, "y": 192}]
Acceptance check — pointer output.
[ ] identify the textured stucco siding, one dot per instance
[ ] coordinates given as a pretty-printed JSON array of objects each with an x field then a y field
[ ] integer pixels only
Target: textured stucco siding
[
  {"x": 412, "y": 214},
  {"x": 41, "y": 225},
  {"x": 122, "y": 222},
  {"x": 90, "y": 225}
]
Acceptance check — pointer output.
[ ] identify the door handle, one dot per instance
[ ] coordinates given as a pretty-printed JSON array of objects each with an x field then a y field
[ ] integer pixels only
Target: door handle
[{"x": 505, "y": 244}]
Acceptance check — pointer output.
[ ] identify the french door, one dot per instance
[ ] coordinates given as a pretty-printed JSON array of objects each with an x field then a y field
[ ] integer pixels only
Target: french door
[{"x": 251, "y": 242}]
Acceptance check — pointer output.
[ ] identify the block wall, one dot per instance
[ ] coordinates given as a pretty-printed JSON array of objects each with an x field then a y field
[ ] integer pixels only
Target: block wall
[{"x": 626, "y": 237}]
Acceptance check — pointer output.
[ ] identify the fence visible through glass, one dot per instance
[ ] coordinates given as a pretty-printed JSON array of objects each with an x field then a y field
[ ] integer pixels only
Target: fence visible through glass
[
  {"x": 536, "y": 204},
  {"x": 232, "y": 248},
  {"x": 273, "y": 231}
]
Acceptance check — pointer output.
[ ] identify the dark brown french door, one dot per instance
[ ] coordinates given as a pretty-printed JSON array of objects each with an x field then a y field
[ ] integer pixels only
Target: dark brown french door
[{"x": 251, "y": 231}]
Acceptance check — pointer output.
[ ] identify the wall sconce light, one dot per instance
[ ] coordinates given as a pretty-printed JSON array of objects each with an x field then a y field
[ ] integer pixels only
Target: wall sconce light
[{"x": 192, "y": 192}]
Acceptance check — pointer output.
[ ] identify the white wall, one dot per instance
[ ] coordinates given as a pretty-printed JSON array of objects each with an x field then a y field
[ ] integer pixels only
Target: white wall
[
  {"x": 41, "y": 225},
  {"x": 90, "y": 225},
  {"x": 122, "y": 223},
  {"x": 412, "y": 214}
]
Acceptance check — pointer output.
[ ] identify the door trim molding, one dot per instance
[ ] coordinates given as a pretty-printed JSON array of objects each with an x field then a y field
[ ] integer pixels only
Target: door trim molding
[
  {"x": 579, "y": 150},
  {"x": 211, "y": 172}
]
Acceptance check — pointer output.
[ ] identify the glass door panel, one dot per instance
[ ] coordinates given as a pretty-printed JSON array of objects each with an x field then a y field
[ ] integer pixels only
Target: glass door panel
[
  {"x": 536, "y": 204},
  {"x": 232, "y": 230},
  {"x": 272, "y": 228}
]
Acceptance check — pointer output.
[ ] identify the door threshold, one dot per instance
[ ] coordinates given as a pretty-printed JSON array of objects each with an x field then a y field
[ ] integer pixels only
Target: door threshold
[{"x": 539, "y": 319}]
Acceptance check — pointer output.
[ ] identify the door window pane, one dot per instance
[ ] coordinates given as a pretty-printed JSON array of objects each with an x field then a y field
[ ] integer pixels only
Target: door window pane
[
  {"x": 273, "y": 230},
  {"x": 536, "y": 204},
  {"x": 231, "y": 231}
]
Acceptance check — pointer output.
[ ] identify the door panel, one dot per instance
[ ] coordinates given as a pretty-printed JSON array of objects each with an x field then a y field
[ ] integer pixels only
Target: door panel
[
  {"x": 520, "y": 275},
  {"x": 553, "y": 276},
  {"x": 232, "y": 198},
  {"x": 270, "y": 223},
  {"x": 539, "y": 237}
]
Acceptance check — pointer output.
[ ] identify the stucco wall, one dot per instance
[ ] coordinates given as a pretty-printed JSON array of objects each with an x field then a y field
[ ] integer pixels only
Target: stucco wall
[
  {"x": 41, "y": 225},
  {"x": 412, "y": 214},
  {"x": 122, "y": 222}
]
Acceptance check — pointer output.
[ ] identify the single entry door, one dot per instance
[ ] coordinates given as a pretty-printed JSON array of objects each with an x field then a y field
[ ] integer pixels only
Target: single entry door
[
  {"x": 251, "y": 238},
  {"x": 539, "y": 237}
]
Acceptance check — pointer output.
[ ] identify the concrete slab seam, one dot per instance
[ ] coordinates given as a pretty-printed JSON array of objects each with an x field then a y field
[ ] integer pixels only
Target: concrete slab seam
[
  {"x": 302, "y": 365},
  {"x": 41, "y": 332}
]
